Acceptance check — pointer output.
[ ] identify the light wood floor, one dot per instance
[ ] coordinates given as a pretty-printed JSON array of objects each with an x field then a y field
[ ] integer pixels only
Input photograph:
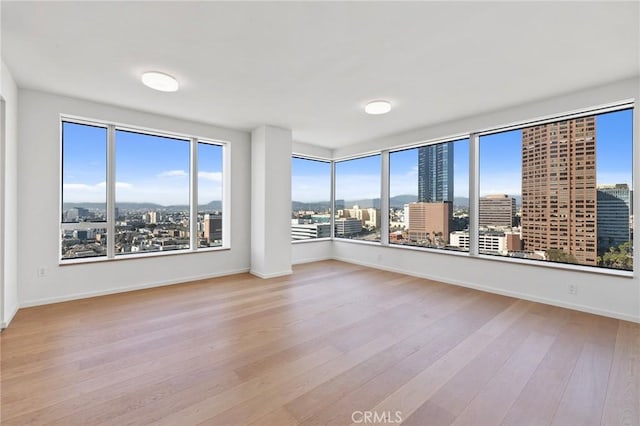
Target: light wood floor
[{"x": 314, "y": 348}]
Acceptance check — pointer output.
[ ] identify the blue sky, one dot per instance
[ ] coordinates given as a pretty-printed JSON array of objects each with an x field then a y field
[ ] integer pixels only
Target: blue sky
[
  {"x": 311, "y": 180},
  {"x": 358, "y": 178},
  {"x": 155, "y": 169},
  {"x": 148, "y": 168},
  {"x": 500, "y": 164}
]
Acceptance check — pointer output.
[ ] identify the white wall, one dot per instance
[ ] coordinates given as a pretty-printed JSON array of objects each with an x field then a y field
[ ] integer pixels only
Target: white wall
[
  {"x": 610, "y": 295},
  {"x": 613, "y": 92},
  {"x": 314, "y": 151},
  {"x": 597, "y": 293},
  {"x": 311, "y": 251},
  {"x": 9, "y": 215},
  {"x": 38, "y": 203}
]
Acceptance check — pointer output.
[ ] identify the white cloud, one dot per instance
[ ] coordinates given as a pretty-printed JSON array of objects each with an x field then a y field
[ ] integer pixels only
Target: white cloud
[
  {"x": 80, "y": 187},
  {"x": 310, "y": 189},
  {"x": 357, "y": 186},
  {"x": 213, "y": 176},
  {"x": 210, "y": 188},
  {"x": 82, "y": 192},
  {"x": 173, "y": 173},
  {"x": 120, "y": 185}
]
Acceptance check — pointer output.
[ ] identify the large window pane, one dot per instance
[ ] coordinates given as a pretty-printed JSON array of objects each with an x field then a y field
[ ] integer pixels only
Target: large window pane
[
  {"x": 209, "y": 195},
  {"x": 358, "y": 199},
  {"x": 429, "y": 196},
  {"x": 152, "y": 193},
  {"x": 311, "y": 199},
  {"x": 560, "y": 192},
  {"x": 84, "y": 193}
]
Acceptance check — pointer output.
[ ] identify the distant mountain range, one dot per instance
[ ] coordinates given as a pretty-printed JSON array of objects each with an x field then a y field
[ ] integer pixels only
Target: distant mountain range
[
  {"x": 395, "y": 202},
  {"x": 213, "y": 205}
]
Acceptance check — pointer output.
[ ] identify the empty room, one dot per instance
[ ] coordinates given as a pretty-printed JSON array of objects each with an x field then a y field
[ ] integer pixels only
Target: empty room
[{"x": 319, "y": 213}]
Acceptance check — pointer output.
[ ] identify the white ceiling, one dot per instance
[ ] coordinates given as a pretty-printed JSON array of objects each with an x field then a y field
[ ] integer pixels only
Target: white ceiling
[{"x": 312, "y": 66}]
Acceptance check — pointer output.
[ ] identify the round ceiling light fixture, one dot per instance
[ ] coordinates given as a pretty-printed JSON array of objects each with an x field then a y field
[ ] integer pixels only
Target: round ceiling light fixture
[
  {"x": 160, "y": 81},
  {"x": 378, "y": 107}
]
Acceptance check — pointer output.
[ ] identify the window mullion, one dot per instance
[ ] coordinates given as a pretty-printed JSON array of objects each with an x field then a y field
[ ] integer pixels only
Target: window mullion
[
  {"x": 333, "y": 199},
  {"x": 193, "y": 195},
  {"x": 384, "y": 198},
  {"x": 111, "y": 191},
  {"x": 474, "y": 193}
]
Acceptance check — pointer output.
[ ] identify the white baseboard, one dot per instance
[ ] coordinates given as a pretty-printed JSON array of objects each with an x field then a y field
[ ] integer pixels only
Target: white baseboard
[
  {"x": 5, "y": 324},
  {"x": 447, "y": 280},
  {"x": 76, "y": 296},
  {"x": 489, "y": 289},
  {"x": 271, "y": 275},
  {"x": 311, "y": 260}
]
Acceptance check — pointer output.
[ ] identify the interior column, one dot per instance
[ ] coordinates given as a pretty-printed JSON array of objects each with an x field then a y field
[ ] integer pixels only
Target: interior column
[{"x": 271, "y": 201}]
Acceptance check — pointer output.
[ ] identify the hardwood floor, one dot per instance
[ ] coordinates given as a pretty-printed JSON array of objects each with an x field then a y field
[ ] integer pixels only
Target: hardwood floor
[{"x": 320, "y": 347}]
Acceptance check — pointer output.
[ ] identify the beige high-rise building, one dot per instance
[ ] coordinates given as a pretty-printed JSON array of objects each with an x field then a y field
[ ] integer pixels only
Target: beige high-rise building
[
  {"x": 430, "y": 222},
  {"x": 559, "y": 208},
  {"x": 368, "y": 216},
  {"x": 497, "y": 211}
]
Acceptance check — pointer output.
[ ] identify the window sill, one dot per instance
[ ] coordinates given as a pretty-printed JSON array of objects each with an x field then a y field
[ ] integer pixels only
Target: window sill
[
  {"x": 557, "y": 265},
  {"x": 352, "y": 241},
  {"x": 310, "y": 240},
  {"x": 430, "y": 250},
  {"x": 100, "y": 259},
  {"x": 504, "y": 259}
]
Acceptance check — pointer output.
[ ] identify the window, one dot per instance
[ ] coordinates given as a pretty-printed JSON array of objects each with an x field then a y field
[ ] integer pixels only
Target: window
[
  {"x": 209, "y": 195},
  {"x": 559, "y": 191},
  {"x": 429, "y": 196},
  {"x": 152, "y": 183},
  {"x": 310, "y": 199},
  {"x": 357, "y": 203},
  {"x": 152, "y": 193},
  {"x": 84, "y": 191}
]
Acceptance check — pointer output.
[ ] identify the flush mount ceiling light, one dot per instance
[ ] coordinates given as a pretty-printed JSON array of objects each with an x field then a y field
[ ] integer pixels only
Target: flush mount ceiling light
[
  {"x": 378, "y": 107},
  {"x": 160, "y": 81}
]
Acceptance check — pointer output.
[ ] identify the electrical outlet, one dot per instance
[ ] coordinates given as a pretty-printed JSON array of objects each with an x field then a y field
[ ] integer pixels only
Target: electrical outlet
[
  {"x": 42, "y": 271},
  {"x": 572, "y": 289}
]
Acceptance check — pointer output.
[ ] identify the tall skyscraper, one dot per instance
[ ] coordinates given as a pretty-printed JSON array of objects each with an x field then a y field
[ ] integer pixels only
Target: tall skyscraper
[
  {"x": 559, "y": 188},
  {"x": 614, "y": 203},
  {"x": 435, "y": 173},
  {"x": 497, "y": 210}
]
